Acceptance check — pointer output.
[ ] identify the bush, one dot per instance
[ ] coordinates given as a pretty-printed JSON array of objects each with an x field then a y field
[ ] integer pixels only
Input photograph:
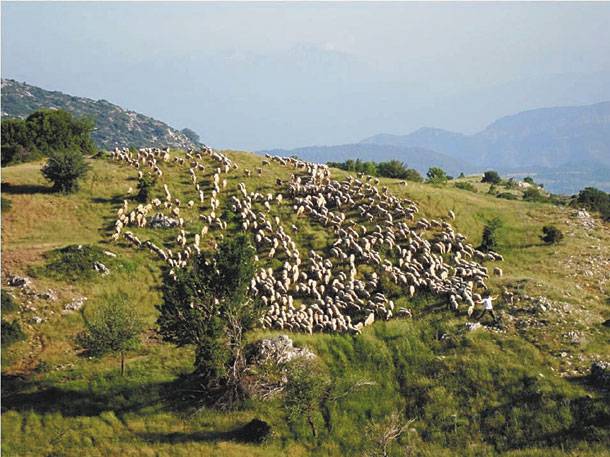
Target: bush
[
  {"x": 8, "y": 302},
  {"x": 6, "y": 204},
  {"x": 533, "y": 194},
  {"x": 437, "y": 175},
  {"x": 76, "y": 262},
  {"x": 11, "y": 333},
  {"x": 466, "y": 186},
  {"x": 551, "y": 234},
  {"x": 594, "y": 200},
  {"x": 507, "y": 196},
  {"x": 491, "y": 177},
  {"x": 490, "y": 237},
  {"x": 145, "y": 186},
  {"x": 64, "y": 169}
]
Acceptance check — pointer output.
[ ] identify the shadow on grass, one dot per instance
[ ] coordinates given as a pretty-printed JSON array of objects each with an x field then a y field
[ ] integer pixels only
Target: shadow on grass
[
  {"x": 181, "y": 395},
  {"x": 183, "y": 437},
  {"x": 25, "y": 189}
]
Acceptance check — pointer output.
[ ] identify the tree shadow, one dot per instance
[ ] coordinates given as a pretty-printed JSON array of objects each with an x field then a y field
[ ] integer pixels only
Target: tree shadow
[
  {"x": 25, "y": 189},
  {"x": 184, "y": 437}
]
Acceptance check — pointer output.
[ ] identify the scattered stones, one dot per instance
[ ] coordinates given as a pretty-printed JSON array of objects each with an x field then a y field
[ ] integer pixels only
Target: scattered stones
[
  {"x": 36, "y": 320},
  {"x": 585, "y": 219},
  {"x": 472, "y": 326},
  {"x": 48, "y": 295},
  {"x": 75, "y": 305},
  {"x": 161, "y": 221},
  {"x": 278, "y": 351},
  {"x": 19, "y": 281}
]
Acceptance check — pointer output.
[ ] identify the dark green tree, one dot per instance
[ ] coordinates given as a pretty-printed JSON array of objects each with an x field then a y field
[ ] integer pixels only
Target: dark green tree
[
  {"x": 113, "y": 327},
  {"x": 145, "y": 187},
  {"x": 208, "y": 305},
  {"x": 491, "y": 177},
  {"x": 64, "y": 169},
  {"x": 436, "y": 175},
  {"x": 594, "y": 200},
  {"x": 551, "y": 234},
  {"x": 392, "y": 169},
  {"x": 53, "y": 130},
  {"x": 490, "y": 235}
]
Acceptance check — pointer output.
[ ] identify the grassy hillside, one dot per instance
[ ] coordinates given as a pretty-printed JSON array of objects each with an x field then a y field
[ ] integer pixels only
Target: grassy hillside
[{"x": 519, "y": 389}]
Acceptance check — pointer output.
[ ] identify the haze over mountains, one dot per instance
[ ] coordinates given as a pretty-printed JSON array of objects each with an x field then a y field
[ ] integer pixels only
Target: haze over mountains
[{"x": 566, "y": 148}]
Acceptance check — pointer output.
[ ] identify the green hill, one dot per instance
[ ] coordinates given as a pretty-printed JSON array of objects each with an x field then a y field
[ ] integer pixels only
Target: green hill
[
  {"x": 115, "y": 126},
  {"x": 518, "y": 389}
]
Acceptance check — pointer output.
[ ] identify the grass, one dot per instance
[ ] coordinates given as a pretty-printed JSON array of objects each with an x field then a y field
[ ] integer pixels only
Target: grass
[{"x": 479, "y": 393}]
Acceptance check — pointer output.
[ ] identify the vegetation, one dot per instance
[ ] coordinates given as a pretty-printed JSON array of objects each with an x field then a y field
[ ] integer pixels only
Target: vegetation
[
  {"x": 551, "y": 234},
  {"x": 146, "y": 185},
  {"x": 65, "y": 169},
  {"x": 113, "y": 327},
  {"x": 11, "y": 333},
  {"x": 6, "y": 204},
  {"x": 207, "y": 305},
  {"x": 191, "y": 135},
  {"x": 594, "y": 200},
  {"x": 43, "y": 133},
  {"x": 507, "y": 196},
  {"x": 533, "y": 194},
  {"x": 8, "y": 302},
  {"x": 465, "y": 185},
  {"x": 391, "y": 169},
  {"x": 437, "y": 175},
  {"x": 491, "y": 177},
  {"x": 490, "y": 235}
]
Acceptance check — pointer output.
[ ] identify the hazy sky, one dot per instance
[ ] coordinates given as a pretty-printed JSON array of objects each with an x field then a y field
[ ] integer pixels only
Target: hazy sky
[{"x": 262, "y": 75}]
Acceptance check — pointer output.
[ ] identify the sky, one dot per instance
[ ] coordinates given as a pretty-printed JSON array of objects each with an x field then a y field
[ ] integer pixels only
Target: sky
[{"x": 264, "y": 75}]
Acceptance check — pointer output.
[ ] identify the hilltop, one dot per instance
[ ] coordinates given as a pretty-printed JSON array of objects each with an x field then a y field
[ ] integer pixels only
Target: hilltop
[
  {"x": 519, "y": 388},
  {"x": 114, "y": 125}
]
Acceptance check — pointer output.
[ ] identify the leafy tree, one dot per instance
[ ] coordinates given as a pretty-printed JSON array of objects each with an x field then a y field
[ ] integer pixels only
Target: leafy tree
[
  {"x": 594, "y": 199},
  {"x": 53, "y": 130},
  {"x": 551, "y": 234},
  {"x": 529, "y": 180},
  {"x": 191, "y": 135},
  {"x": 11, "y": 333},
  {"x": 208, "y": 305},
  {"x": 392, "y": 169},
  {"x": 145, "y": 187},
  {"x": 413, "y": 175},
  {"x": 64, "y": 169},
  {"x": 533, "y": 194},
  {"x": 436, "y": 175},
  {"x": 113, "y": 327},
  {"x": 491, "y": 177},
  {"x": 490, "y": 237}
]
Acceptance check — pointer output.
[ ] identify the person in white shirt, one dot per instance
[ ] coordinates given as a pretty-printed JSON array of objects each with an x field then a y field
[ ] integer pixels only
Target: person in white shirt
[{"x": 488, "y": 306}]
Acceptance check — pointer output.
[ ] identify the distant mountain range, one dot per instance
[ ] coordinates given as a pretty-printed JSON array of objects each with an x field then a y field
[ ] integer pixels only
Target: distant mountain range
[
  {"x": 566, "y": 148},
  {"x": 115, "y": 126}
]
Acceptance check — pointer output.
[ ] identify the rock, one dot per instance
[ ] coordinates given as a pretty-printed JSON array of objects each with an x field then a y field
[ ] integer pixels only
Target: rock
[
  {"x": 74, "y": 305},
  {"x": 36, "y": 320},
  {"x": 48, "y": 295},
  {"x": 369, "y": 320},
  {"x": 279, "y": 350},
  {"x": 472, "y": 326},
  {"x": 600, "y": 374},
  {"x": 109, "y": 254},
  {"x": 101, "y": 268},
  {"x": 19, "y": 281},
  {"x": 161, "y": 221}
]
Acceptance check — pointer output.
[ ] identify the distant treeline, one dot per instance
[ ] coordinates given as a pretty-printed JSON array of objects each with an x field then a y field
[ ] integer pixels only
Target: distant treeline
[
  {"x": 44, "y": 132},
  {"x": 391, "y": 169}
]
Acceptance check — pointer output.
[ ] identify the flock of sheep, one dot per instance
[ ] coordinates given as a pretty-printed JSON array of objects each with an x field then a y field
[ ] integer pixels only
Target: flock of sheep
[{"x": 376, "y": 241}]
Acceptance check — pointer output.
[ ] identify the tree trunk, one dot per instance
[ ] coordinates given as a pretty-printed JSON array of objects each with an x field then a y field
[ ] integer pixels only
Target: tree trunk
[
  {"x": 312, "y": 425},
  {"x": 122, "y": 363}
]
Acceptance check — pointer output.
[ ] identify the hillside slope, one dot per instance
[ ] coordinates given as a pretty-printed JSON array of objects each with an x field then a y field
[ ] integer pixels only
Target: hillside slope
[
  {"x": 517, "y": 389},
  {"x": 115, "y": 126}
]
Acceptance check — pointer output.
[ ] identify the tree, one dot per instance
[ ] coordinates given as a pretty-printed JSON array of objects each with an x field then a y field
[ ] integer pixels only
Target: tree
[
  {"x": 145, "y": 187},
  {"x": 382, "y": 435},
  {"x": 208, "y": 305},
  {"x": 533, "y": 194},
  {"x": 113, "y": 327},
  {"x": 392, "y": 169},
  {"x": 53, "y": 130},
  {"x": 436, "y": 175},
  {"x": 491, "y": 177},
  {"x": 191, "y": 135},
  {"x": 64, "y": 169},
  {"x": 529, "y": 180},
  {"x": 594, "y": 200},
  {"x": 413, "y": 175},
  {"x": 551, "y": 234},
  {"x": 306, "y": 388},
  {"x": 490, "y": 237}
]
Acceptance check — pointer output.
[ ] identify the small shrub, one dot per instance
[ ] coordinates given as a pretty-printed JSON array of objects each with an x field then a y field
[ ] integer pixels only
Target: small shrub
[
  {"x": 64, "y": 169},
  {"x": 490, "y": 237},
  {"x": 6, "y": 204},
  {"x": 551, "y": 234},
  {"x": 533, "y": 194},
  {"x": 11, "y": 333},
  {"x": 594, "y": 200},
  {"x": 507, "y": 196},
  {"x": 491, "y": 177},
  {"x": 466, "y": 186},
  {"x": 437, "y": 175},
  {"x": 75, "y": 262},
  {"x": 145, "y": 187},
  {"x": 8, "y": 302}
]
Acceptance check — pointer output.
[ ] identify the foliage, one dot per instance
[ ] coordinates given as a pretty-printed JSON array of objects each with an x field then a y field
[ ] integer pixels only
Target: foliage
[
  {"x": 208, "y": 306},
  {"x": 11, "y": 332},
  {"x": 6, "y": 204},
  {"x": 551, "y": 234},
  {"x": 491, "y": 177},
  {"x": 191, "y": 135},
  {"x": 8, "y": 302},
  {"x": 43, "y": 132},
  {"x": 465, "y": 185},
  {"x": 382, "y": 435},
  {"x": 145, "y": 186},
  {"x": 437, "y": 175},
  {"x": 490, "y": 235},
  {"x": 533, "y": 194},
  {"x": 594, "y": 200},
  {"x": 113, "y": 327},
  {"x": 306, "y": 388},
  {"x": 507, "y": 196},
  {"x": 64, "y": 169},
  {"x": 529, "y": 180},
  {"x": 390, "y": 169}
]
